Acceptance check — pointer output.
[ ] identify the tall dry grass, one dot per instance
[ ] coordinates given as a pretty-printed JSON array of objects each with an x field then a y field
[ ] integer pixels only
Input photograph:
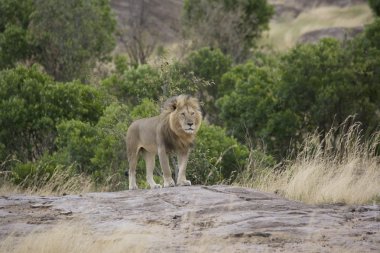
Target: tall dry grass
[
  {"x": 59, "y": 182},
  {"x": 341, "y": 167},
  {"x": 48, "y": 179}
]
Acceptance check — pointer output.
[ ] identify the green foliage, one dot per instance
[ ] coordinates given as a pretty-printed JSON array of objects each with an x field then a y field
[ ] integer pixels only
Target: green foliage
[
  {"x": 15, "y": 12},
  {"x": 209, "y": 64},
  {"x": 176, "y": 79},
  {"x": 372, "y": 34},
  {"x": 146, "y": 109},
  {"x": 327, "y": 82},
  {"x": 312, "y": 80},
  {"x": 14, "y": 22},
  {"x": 375, "y": 5},
  {"x": 134, "y": 84},
  {"x": 13, "y": 45},
  {"x": 249, "y": 100},
  {"x": 71, "y": 35},
  {"x": 97, "y": 150},
  {"x": 79, "y": 140},
  {"x": 66, "y": 38},
  {"x": 32, "y": 104},
  {"x": 231, "y": 25},
  {"x": 314, "y": 87},
  {"x": 216, "y": 156},
  {"x": 121, "y": 63}
]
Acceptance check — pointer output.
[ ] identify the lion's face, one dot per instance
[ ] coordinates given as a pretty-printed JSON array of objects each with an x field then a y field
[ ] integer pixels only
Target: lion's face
[
  {"x": 186, "y": 116},
  {"x": 188, "y": 119}
]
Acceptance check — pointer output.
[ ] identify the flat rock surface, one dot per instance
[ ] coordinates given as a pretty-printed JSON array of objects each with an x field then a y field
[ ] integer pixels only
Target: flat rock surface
[{"x": 200, "y": 218}]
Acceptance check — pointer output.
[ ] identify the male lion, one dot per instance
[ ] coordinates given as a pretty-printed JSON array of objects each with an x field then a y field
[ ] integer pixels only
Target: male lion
[{"x": 172, "y": 131}]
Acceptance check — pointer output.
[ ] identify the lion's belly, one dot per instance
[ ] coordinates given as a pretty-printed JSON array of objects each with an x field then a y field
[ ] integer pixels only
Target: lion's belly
[{"x": 151, "y": 148}]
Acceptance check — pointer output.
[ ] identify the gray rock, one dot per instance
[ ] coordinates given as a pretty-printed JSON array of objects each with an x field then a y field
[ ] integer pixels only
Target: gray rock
[{"x": 183, "y": 218}]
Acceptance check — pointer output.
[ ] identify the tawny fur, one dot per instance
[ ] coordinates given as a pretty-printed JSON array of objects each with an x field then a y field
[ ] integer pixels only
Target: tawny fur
[{"x": 173, "y": 130}]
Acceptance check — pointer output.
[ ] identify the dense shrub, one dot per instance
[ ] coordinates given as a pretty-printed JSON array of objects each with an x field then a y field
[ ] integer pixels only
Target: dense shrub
[
  {"x": 314, "y": 86},
  {"x": 216, "y": 157},
  {"x": 375, "y": 5},
  {"x": 251, "y": 101},
  {"x": 67, "y": 49},
  {"x": 32, "y": 104},
  {"x": 134, "y": 84},
  {"x": 14, "y": 22},
  {"x": 325, "y": 83},
  {"x": 209, "y": 65}
]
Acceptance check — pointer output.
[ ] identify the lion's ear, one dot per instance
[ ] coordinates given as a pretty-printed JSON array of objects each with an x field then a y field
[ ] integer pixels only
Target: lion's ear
[
  {"x": 174, "y": 104},
  {"x": 170, "y": 104}
]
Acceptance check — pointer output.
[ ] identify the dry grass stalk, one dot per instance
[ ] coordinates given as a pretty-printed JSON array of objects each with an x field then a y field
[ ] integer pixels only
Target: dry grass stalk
[{"x": 341, "y": 167}]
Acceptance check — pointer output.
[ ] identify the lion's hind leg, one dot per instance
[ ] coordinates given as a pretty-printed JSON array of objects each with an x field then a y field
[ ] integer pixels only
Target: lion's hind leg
[{"x": 132, "y": 159}]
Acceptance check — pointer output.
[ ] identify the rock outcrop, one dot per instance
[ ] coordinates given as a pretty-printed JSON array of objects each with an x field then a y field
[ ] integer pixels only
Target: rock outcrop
[{"x": 217, "y": 218}]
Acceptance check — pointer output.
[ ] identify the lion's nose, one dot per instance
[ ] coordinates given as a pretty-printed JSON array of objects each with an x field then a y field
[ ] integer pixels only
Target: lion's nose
[{"x": 190, "y": 124}]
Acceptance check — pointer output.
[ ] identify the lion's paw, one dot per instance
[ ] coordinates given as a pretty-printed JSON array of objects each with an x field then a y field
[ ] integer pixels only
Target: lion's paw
[
  {"x": 184, "y": 183},
  {"x": 169, "y": 183},
  {"x": 155, "y": 186},
  {"x": 133, "y": 187}
]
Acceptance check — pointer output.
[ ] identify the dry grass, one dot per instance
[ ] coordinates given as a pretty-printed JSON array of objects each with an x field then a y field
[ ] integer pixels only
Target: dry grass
[
  {"x": 73, "y": 238},
  {"x": 64, "y": 238},
  {"x": 342, "y": 167},
  {"x": 60, "y": 182},
  {"x": 283, "y": 34}
]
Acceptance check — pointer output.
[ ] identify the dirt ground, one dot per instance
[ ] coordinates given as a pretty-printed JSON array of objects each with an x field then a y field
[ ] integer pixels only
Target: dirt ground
[{"x": 185, "y": 219}]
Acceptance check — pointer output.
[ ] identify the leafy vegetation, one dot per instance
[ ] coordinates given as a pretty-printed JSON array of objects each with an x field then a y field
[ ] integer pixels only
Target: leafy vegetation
[
  {"x": 375, "y": 5},
  {"x": 65, "y": 38}
]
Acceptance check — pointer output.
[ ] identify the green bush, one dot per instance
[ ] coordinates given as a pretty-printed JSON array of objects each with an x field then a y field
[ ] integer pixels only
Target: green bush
[
  {"x": 249, "y": 101},
  {"x": 312, "y": 87},
  {"x": 325, "y": 83},
  {"x": 134, "y": 84},
  {"x": 216, "y": 156},
  {"x": 147, "y": 108},
  {"x": 14, "y": 22},
  {"x": 78, "y": 141},
  {"x": 32, "y": 104},
  {"x": 375, "y": 5},
  {"x": 209, "y": 65},
  {"x": 97, "y": 150},
  {"x": 67, "y": 49}
]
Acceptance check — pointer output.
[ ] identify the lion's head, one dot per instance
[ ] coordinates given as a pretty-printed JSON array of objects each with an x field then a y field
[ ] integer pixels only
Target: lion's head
[{"x": 184, "y": 114}]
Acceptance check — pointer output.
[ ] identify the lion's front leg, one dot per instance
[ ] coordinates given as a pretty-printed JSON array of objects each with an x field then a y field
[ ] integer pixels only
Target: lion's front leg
[
  {"x": 164, "y": 161},
  {"x": 182, "y": 160}
]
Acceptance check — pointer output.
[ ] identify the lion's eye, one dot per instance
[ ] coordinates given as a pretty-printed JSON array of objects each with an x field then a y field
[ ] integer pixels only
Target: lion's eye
[
  {"x": 183, "y": 114},
  {"x": 192, "y": 113}
]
